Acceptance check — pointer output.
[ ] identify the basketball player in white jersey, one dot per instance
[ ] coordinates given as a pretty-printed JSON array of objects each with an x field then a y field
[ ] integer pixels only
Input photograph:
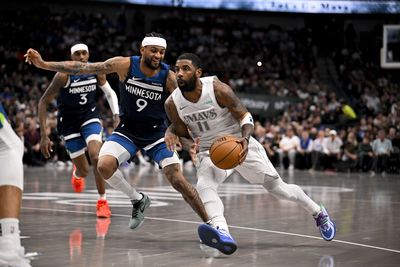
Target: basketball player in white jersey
[
  {"x": 204, "y": 109},
  {"x": 11, "y": 187}
]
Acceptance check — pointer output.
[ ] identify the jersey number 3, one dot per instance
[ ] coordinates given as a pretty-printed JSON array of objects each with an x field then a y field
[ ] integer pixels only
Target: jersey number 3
[{"x": 83, "y": 99}]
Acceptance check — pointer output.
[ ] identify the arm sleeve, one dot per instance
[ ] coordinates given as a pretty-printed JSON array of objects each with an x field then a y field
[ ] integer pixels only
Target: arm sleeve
[{"x": 111, "y": 97}]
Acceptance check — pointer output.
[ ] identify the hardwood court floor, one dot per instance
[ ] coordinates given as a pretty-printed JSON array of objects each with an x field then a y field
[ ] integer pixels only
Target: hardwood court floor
[{"x": 61, "y": 226}]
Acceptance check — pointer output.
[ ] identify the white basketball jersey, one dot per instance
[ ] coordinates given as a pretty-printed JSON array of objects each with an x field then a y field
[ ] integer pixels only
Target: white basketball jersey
[{"x": 205, "y": 118}]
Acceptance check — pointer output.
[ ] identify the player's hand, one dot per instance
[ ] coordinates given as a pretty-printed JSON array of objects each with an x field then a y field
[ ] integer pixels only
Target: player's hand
[
  {"x": 171, "y": 140},
  {"x": 194, "y": 148},
  {"x": 33, "y": 57},
  {"x": 116, "y": 120},
  {"x": 245, "y": 145},
  {"x": 46, "y": 146}
]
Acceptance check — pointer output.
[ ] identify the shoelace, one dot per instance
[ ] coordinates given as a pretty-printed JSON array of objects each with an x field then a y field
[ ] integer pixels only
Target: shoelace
[
  {"x": 136, "y": 208},
  {"x": 101, "y": 204},
  {"x": 322, "y": 221}
]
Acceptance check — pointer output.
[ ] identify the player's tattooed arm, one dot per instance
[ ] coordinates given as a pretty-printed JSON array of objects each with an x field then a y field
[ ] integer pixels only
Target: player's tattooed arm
[
  {"x": 51, "y": 93},
  {"x": 74, "y": 67},
  {"x": 171, "y": 82},
  {"x": 227, "y": 98}
]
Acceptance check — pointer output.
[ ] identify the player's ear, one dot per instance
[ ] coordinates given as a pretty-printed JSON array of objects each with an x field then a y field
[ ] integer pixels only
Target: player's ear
[
  {"x": 199, "y": 72},
  {"x": 141, "y": 50}
]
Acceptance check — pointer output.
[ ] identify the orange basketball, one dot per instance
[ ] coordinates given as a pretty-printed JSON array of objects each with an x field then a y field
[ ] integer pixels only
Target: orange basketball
[{"x": 224, "y": 152}]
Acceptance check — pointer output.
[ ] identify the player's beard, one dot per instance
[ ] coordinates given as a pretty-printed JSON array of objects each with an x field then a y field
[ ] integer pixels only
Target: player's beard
[
  {"x": 187, "y": 86},
  {"x": 149, "y": 63}
]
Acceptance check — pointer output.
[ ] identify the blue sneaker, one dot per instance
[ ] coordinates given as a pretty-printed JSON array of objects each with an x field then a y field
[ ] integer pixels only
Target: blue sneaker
[
  {"x": 217, "y": 238},
  {"x": 327, "y": 227}
]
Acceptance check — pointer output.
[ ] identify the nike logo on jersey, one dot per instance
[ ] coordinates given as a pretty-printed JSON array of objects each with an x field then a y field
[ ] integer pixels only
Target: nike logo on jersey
[
  {"x": 93, "y": 109},
  {"x": 182, "y": 107},
  {"x": 136, "y": 79},
  {"x": 77, "y": 80}
]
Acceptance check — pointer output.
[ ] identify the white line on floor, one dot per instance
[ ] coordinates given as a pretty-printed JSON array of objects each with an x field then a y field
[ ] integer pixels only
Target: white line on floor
[{"x": 231, "y": 226}]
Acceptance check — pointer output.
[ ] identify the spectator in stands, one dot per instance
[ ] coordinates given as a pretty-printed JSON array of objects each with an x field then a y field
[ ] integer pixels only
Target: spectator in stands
[
  {"x": 287, "y": 147},
  {"x": 349, "y": 158},
  {"x": 382, "y": 147},
  {"x": 317, "y": 150},
  {"x": 331, "y": 147},
  {"x": 304, "y": 149},
  {"x": 365, "y": 155},
  {"x": 32, "y": 143}
]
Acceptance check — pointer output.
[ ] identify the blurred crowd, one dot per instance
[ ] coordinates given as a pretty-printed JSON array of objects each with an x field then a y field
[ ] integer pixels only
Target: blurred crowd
[{"x": 358, "y": 131}]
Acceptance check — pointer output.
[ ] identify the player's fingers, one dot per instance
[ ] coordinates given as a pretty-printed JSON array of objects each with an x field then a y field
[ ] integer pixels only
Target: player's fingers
[
  {"x": 170, "y": 145},
  {"x": 242, "y": 156}
]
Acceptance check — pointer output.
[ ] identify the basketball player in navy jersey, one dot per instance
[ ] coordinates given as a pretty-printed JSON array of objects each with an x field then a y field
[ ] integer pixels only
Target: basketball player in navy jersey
[
  {"x": 11, "y": 187},
  {"x": 78, "y": 121},
  {"x": 145, "y": 84},
  {"x": 206, "y": 109}
]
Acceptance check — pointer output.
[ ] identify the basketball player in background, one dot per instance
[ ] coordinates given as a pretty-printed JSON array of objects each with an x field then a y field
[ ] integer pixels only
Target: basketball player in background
[
  {"x": 11, "y": 187},
  {"x": 145, "y": 84},
  {"x": 206, "y": 109},
  {"x": 78, "y": 122}
]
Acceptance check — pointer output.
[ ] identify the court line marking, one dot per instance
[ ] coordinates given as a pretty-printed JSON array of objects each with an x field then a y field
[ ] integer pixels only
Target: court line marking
[{"x": 231, "y": 226}]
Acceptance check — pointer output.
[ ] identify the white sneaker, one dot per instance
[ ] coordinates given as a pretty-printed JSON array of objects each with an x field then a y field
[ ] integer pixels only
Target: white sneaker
[{"x": 11, "y": 254}]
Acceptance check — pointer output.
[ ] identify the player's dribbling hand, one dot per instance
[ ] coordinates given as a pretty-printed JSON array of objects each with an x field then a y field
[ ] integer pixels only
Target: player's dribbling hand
[
  {"x": 245, "y": 145},
  {"x": 33, "y": 56},
  {"x": 194, "y": 148},
  {"x": 46, "y": 147}
]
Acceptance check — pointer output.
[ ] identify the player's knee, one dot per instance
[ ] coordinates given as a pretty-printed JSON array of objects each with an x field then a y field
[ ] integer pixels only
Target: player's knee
[
  {"x": 94, "y": 158},
  {"x": 207, "y": 193},
  {"x": 106, "y": 166},
  {"x": 206, "y": 183}
]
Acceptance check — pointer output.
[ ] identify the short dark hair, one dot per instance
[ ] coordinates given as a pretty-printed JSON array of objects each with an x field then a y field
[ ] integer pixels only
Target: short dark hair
[
  {"x": 154, "y": 34},
  {"x": 192, "y": 57}
]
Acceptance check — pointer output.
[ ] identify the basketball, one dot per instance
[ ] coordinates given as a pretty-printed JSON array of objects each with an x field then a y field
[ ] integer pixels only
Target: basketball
[{"x": 224, "y": 152}]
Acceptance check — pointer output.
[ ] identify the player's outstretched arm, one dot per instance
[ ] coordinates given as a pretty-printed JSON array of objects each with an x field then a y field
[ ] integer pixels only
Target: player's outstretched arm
[
  {"x": 51, "y": 93},
  {"x": 76, "y": 67},
  {"x": 227, "y": 98},
  {"x": 177, "y": 128}
]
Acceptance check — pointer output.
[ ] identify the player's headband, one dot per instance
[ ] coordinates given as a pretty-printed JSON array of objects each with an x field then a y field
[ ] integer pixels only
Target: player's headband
[
  {"x": 157, "y": 41},
  {"x": 79, "y": 47}
]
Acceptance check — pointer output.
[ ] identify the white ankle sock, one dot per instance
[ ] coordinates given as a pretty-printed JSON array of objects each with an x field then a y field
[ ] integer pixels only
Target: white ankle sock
[
  {"x": 117, "y": 181},
  {"x": 220, "y": 222},
  {"x": 103, "y": 197},
  {"x": 10, "y": 226},
  {"x": 76, "y": 176}
]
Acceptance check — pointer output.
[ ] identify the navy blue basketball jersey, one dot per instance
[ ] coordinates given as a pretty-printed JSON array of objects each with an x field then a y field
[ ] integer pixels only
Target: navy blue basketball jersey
[
  {"x": 78, "y": 96},
  {"x": 142, "y": 103}
]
